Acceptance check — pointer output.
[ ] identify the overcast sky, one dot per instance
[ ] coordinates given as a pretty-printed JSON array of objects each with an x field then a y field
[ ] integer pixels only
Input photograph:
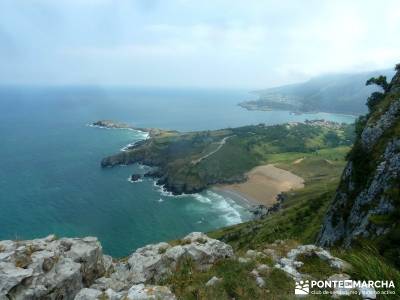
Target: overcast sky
[{"x": 218, "y": 43}]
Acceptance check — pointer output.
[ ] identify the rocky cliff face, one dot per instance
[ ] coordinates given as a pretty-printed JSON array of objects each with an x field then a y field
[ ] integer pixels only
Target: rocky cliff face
[
  {"x": 367, "y": 202},
  {"x": 75, "y": 268}
]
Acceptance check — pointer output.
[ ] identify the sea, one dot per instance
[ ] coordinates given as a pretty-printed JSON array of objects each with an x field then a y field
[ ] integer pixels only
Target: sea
[{"x": 50, "y": 175}]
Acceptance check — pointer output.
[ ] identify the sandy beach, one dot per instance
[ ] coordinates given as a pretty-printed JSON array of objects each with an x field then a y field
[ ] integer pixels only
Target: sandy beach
[{"x": 264, "y": 184}]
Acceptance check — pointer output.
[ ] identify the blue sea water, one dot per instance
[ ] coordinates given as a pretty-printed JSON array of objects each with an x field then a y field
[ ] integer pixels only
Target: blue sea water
[{"x": 50, "y": 175}]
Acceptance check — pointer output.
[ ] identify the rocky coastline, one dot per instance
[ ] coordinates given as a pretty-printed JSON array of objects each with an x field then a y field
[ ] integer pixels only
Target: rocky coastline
[
  {"x": 160, "y": 175},
  {"x": 190, "y": 162}
]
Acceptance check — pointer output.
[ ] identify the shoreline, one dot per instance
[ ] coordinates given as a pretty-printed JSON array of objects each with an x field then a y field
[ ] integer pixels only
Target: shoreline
[
  {"x": 241, "y": 200},
  {"x": 263, "y": 185},
  {"x": 300, "y": 112}
]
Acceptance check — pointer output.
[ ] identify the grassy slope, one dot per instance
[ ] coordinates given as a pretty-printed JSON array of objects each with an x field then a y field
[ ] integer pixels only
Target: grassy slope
[{"x": 297, "y": 223}]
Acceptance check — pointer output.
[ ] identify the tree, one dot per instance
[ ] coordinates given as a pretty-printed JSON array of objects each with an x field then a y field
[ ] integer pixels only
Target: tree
[
  {"x": 379, "y": 81},
  {"x": 374, "y": 99},
  {"x": 397, "y": 68}
]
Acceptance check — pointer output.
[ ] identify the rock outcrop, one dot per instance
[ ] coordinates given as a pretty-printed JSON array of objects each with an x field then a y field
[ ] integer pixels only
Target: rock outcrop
[
  {"x": 136, "y": 292},
  {"x": 75, "y": 268},
  {"x": 50, "y": 268},
  {"x": 366, "y": 204},
  {"x": 290, "y": 264}
]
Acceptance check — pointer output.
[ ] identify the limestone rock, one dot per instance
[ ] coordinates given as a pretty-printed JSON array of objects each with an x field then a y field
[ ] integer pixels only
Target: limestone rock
[
  {"x": 149, "y": 292},
  {"x": 252, "y": 254},
  {"x": 135, "y": 292},
  {"x": 155, "y": 261},
  {"x": 260, "y": 282},
  {"x": 49, "y": 268},
  {"x": 243, "y": 260},
  {"x": 88, "y": 294},
  {"x": 372, "y": 200},
  {"x": 289, "y": 264},
  {"x": 365, "y": 192},
  {"x": 213, "y": 281},
  {"x": 263, "y": 268}
]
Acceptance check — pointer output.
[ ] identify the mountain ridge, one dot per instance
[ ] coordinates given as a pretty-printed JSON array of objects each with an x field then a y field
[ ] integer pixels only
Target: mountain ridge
[{"x": 332, "y": 93}]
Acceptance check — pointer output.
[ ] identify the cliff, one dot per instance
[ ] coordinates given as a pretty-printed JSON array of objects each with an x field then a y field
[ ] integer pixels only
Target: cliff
[{"x": 367, "y": 201}]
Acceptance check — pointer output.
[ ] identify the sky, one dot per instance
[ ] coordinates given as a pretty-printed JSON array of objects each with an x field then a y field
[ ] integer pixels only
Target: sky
[{"x": 187, "y": 43}]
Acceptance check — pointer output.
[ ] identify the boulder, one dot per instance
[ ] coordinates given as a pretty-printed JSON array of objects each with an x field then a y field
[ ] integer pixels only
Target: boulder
[
  {"x": 153, "y": 262},
  {"x": 289, "y": 264},
  {"x": 213, "y": 281},
  {"x": 149, "y": 292}
]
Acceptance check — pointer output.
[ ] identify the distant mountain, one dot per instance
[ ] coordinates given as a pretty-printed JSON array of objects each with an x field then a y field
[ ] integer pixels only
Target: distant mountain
[{"x": 336, "y": 93}]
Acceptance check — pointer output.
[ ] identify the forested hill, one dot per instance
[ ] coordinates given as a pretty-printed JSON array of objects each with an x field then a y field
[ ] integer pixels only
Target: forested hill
[{"x": 336, "y": 93}]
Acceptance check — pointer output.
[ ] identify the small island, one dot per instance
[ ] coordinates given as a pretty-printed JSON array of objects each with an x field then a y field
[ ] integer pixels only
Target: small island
[
  {"x": 135, "y": 177},
  {"x": 110, "y": 124}
]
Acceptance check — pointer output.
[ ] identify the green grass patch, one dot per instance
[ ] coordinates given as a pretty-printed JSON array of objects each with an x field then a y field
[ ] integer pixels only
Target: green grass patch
[
  {"x": 368, "y": 264},
  {"x": 314, "y": 266}
]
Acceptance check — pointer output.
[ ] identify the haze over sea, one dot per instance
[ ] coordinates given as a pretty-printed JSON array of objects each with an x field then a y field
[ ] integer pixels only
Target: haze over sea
[{"x": 50, "y": 175}]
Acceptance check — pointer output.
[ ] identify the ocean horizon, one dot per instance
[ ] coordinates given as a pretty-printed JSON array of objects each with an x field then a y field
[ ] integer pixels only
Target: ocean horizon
[{"x": 51, "y": 180}]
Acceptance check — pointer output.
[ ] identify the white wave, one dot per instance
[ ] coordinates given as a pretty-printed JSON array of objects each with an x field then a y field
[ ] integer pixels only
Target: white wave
[
  {"x": 161, "y": 200},
  {"x": 230, "y": 211},
  {"x": 126, "y": 148},
  {"x": 201, "y": 198},
  {"x": 140, "y": 135},
  {"x": 143, "y": 136},
  {"x": 144, "y": 133},
  {"x": 229, "y": 208},
  {"x": 131, "y": 181},
  {"x": 164, "y": 192}
]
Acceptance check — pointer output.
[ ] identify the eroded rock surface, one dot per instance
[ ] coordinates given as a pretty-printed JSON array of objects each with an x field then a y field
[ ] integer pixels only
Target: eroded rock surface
[
  {"x": 290, "y": 265},
  {"x": 69, "y": 268},
  {"x": 49, "y": 267}
]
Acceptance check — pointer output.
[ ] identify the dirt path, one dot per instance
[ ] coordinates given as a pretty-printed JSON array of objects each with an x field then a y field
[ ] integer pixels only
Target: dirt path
[
  {"x": 297, "y": 161},
  {"x": 221, "y": 144}
]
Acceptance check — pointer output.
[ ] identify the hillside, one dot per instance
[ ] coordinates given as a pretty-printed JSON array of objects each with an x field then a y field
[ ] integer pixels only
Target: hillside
[
  {"x": 191, "y": 162},
  {"x": 336, "y": 93}
]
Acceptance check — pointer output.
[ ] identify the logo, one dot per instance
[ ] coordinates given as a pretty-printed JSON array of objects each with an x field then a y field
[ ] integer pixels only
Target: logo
[
  {"x": 366, "y": 288},
  {"x": 302, "y": 288}
]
